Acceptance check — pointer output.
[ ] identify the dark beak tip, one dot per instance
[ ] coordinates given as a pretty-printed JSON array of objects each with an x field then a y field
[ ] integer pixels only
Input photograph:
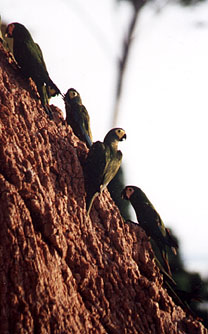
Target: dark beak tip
[{"x": 123, "y": 194}]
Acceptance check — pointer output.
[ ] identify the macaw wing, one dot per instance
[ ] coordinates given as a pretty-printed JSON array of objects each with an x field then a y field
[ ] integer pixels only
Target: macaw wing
[
  {"x": 82, "y": 120},
  {"x": 39, "y": 55},
  {"x": 155, "y": 223},
  {"x": 29, "y": 57},
  {"x": 112, "y": 166},
  {"x": 31, "y": 61},
  {"x": 1, "y": 37},
  {"x": 52, "y": 89},
  {"x": 87, "y": 138},
  {"x": 86, "y": 124},
  {"x": 95, "y": 165}
]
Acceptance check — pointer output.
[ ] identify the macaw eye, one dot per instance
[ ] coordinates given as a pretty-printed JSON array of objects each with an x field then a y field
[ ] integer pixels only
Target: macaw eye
[
  {"x": 130, "y": 190},
  {"x": 118, "y": 132},
  {"x": 72, "y": 94}
]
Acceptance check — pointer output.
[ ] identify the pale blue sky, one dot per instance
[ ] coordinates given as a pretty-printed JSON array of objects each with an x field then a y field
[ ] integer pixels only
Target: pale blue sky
[{"x": 165, "y": 100}]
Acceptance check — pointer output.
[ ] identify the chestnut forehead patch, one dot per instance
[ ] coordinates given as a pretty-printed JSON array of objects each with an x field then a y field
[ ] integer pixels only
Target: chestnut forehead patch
[{"x": 11, "y": 29}]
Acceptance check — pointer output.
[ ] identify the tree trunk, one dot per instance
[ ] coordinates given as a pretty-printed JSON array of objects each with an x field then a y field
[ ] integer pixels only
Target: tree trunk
[{"x": 61, "y": 271}]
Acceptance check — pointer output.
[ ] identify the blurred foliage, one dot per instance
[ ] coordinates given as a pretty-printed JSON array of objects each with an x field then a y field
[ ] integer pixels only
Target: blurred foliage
[
  {"x": 127, "y": 42},
  {"x": 123, "y": 59},
  {"x": 194, "y": 286},
  {"x": 136, "y": 3}
]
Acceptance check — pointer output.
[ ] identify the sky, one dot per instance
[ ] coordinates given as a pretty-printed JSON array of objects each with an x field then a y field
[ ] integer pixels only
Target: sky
[{"x": 164, "y": 103}]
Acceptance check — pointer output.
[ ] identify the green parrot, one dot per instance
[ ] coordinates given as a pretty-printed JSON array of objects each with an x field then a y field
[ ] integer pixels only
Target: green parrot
[
  {"x": 77, "y": 116},
  {"x": 180, "y": 297},
  {"x": 151, "y": 222},
  {"x": 29, "y": 57},
  {"x": 102, "y": 164},
  {"x": 166, "y": 275}
]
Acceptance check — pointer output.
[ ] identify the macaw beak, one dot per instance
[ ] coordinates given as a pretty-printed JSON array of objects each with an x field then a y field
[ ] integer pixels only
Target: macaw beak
[
  {"x": 123, "y": 138},
  {"x": 123, "y": 194}
]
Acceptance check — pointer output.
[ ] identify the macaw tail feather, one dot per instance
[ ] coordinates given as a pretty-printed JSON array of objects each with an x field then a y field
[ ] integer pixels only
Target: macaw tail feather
[
  {"x": 52, "y": 89},
  {"x": 89, "y": 202},
  {"x": 44, "y": 100},
  {"x": 88, "y": 140},
  {"x": 166, "y": 275},
  {"x": 166, "y": 262},
  {"x": 48, "y": 111}
]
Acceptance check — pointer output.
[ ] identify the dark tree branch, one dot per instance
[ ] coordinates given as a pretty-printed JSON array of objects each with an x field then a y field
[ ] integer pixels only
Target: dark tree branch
[{"x": 125, "y": 55}]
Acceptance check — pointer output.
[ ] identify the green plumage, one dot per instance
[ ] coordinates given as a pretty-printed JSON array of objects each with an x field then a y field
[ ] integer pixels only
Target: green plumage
[
  {"x": 1, "y": 37},
  {"x": 150, "y": 221},
  {"x": 29, "y": 57},
  {"x": 77, "y": 116},
  {"x": 102, "y": 164},
  {"x": 181, "y": 297}
]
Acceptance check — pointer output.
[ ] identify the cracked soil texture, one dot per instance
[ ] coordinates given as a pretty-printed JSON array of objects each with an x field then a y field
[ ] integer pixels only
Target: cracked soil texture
[{"x": 61, "y": 271}]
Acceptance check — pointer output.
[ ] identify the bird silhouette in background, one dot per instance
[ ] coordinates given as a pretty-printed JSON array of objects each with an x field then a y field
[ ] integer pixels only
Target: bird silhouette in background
[
  {"x": 102, "y": 164},
  {"x": 151, "y": 222},
  {"x": 77, "y": 116},
  {"x": 29, "y": 57}
]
